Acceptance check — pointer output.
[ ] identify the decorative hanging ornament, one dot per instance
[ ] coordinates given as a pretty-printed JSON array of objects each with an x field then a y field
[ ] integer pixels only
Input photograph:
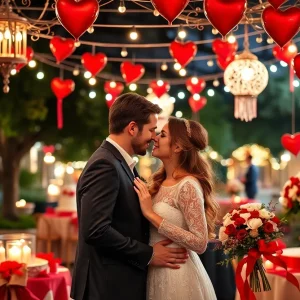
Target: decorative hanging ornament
[
  {"x": 29, "y": 56},
  {"x": 61, "y": 48},
  {"x": 224, "y": 49},
  {"x": 77, "y": 16},
  {"x": 94, "y": 63},
  {"x": 48, "y": 149},
  {"x": 159, "y": 87},
  {"x": 291, "y": 142},
  {"x": 131, "y": 72},
  {"x": 224, "y": 62},
  {"x": 296, "y": 64},
  {"x": 224, "y": 15},
  {"x": 170, "y": 11},
  {"x": 197, "y": 102},
  {"x": 111, "y": 101},
  {"x": 61, "y": 89},
  {"x": 286, "y": 53},
  {"x": 281, "y": 26},
  {"x": 277, "y": 3},
  {"x": 114, "y": 88},
  {"x": 183, "y": 53},
  {"x": 195, "y": 85},
  {"x": 246, "y": 77}
]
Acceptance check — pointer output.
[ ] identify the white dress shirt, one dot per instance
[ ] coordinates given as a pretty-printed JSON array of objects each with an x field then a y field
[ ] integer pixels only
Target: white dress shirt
[{"x": 129, "y": 160}]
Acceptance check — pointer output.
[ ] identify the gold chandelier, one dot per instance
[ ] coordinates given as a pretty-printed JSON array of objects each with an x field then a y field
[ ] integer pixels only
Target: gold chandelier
[{"x": 13, "y": 42}]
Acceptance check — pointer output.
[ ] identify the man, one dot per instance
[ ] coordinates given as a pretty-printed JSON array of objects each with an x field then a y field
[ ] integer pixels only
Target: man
[
  {"x": 251, "y": 178},
  {"x": 113, "y": 252}
]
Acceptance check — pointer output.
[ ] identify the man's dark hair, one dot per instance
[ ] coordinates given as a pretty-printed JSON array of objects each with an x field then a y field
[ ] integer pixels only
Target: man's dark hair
[
  {"x": 249, "y": 157},
  {"x": 130, "y": 107}
]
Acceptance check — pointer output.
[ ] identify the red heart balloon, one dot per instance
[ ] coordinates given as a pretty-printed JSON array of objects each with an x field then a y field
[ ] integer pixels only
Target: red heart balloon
[
  {"x": 77, "y": 16},
  {"x": 291, "y": 142},
  {"x": 29, "y": 56},
  {"x": 109, "y": 103},
  {"x": 195, "y": 104},
  {"x": 195, "y": 85},
  {"x": 131, "y": 72},
  {"x": 48, "y": 149},
  {"x": 224, "y": 62},
  {"x": 170, "y": 12},
  {"x": 224, "y": 48},
  {"x": 275, "y": 20},
  {"x": 94, "y": 63},
  {"x": 61, "y": 48},
  {"x": 284, "y": 53},
  {"x": 113, "y": 88},
  {"x": 296, "y": 64},
  {"x": 277, "y": 3},
  {"x": 183, "y": 53},
  {"x": 159, "y": 87},
  {"x": 224, "y": 15},
  {"x": 62, "y": 88}
]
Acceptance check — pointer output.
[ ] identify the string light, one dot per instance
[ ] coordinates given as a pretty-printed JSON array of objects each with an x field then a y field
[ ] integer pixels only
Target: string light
[
  {"x": 149, "y": 90},
  {"x": 181, "y": 95},
  {"x": 211, "y": 92},
  {"x": 164, "y": 67},
  {"x": 92, "y": 81},
  {"x": 91, "y": 29},
  {"x": 122, "y": 7},
  {"x": 178, "y": 114},
  {"x": 270, "y": 41},
  {"x": 226, "y": 89},
  {"x": 177, "y": 66},
  {"x": 273, "y": 68},
  {"x": 216, "y": 83},
  {"x": 283, "y": 63},
  {"x": 108, "y": 97},
  {"x": 194, "y": 80},
  {"x": 92, "y": 94},
  {"x": 133, "y": 87},
  {"x": 182, "y": 72},
  {"x": 160, "y": 83},
  {"x": 259, "y": 39},
  {"x": 172, "y": 99},
  {"x": 296, "y": 83},
  {"x": 112, "y": 84},
  {"x": 196, "y": 97},
  {"x": 13, "y": 72},
  {"x": 231, "y": 39},
  {"x": 124, "y": 52},
  {"x": 156, "y": 13},
  {"x": 214, "y": 31},
  {"x": 87, "y": 74},
  {"x": 210, "y": 63},
  {"x": 32, "y": 64},
  {"x": 133, "y": 34},
  {"x": 40, "y": 75},
  {"x": 76, "y": 72},
  {"x": 181, "y": 32},
  {"x": 292, "y": 48},
  {"x": 77, "y": 44}
]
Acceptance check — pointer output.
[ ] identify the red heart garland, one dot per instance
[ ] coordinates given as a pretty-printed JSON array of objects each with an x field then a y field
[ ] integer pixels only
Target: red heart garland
[
  {"x": 131, "y": 72},
  {"x": 29, "y": 56},
  {"x": 275, "y": 20},
  {"x": 291, "y": 142},
  {"x": 61, "y": 89},
  {"x": 48, "y": 149},
  {"x": 277, "y": 3},
  {"x": 183, "y": 53},
  {"x": 284, "y": 53},
  {"x": 195, "y": 85},
  {"x": 170, "y": 12},
  {"x": 296, "y": 64},
  {"x": 233, "y": 10},
  {"x": 197, "y": 105},
  {"x": 77, "y": 16},
  {"x": 109, "y": 103},
  {"x": 94, "y": 63},
  {"x": 224, "y": 62},
  {"x": 159, "y": 87},
  {"x": 113, "y": 88},
  {"x": 224, "y": 48},
  {"x": 61, "y": 48}
]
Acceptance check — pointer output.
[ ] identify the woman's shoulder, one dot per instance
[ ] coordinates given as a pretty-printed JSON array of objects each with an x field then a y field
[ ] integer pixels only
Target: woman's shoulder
[{"x": 189, "y": 180}]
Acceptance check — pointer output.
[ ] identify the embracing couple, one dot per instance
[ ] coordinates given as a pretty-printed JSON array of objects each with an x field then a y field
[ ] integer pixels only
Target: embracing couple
[{"x": 139, "y": 241}]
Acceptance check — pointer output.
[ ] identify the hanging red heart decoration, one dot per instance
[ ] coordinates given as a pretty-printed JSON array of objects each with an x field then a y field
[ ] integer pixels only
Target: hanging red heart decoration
[
  {"x": 170, "y": 11},
  {"x": 131, "y": 72},
  {"x": 286, "y": 53},
  {"x": 61, "y": 48},
  {"x": 224, "y": 15},
  {"x": 275, "y": 20},
  {"x": 77, "y": 16},
  {"x": 29, "y": 56},
  {"x": 197, "y": 103},
  {"x": 224, "y": 48},
  {"x": 195, "y": 85},
  {"x": 48, "y": 149},
  {"x": 94, "y": 63},
  {"x": 159, "y": 87},
  {"x": 110, "y": 102},
  {"x": 296, "y": 64},
  {"x": 277, "y": 3},
  {"x": 61, "y": 89},
  {"x": 291, "y": 142},
  {"x": 224, "y": 62},
  {"x": 183, "y": 53},
  {"x": 114, "y": 88}
]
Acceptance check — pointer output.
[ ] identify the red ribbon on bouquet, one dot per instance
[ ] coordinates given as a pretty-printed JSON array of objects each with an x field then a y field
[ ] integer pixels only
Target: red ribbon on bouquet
[{"x": 267, "y": 250}]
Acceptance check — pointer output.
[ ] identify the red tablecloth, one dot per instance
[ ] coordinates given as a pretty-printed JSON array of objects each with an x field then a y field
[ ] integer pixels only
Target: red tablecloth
[{"x": 53, "y": 287}]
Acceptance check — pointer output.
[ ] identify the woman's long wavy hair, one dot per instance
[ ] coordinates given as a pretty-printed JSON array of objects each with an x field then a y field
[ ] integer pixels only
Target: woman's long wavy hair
[{"x": 192, "y": 163}]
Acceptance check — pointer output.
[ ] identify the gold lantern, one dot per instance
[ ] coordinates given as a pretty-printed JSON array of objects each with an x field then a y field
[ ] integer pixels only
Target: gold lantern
[{"x": 13, "y": 42}]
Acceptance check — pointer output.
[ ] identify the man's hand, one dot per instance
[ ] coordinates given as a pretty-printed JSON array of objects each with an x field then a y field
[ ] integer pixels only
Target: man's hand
[{"x": 168, "y": 257}]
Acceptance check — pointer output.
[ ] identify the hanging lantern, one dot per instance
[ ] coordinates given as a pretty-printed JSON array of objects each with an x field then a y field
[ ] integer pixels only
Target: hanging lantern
[
  {"x": 13, "y": 42},
  {"x": 246, "y": 77}
]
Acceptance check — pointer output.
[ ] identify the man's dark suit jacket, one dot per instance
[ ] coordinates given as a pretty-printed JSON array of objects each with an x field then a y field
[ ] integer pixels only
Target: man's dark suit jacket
[
  {"x": 251, "y": 181},
  {"x": 112, "y": 252}
]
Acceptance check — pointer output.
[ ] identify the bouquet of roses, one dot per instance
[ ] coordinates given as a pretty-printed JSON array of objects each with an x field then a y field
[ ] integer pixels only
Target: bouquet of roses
[
  {"x": 290, "y": 195},
  {"x": 234, "y": 187},
  {"x": 248, "y": 234}
]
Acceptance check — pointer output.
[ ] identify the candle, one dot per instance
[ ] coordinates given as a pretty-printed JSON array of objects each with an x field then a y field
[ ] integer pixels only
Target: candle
[
  {"x": 2, "y": 254},
  {"x": 269, "y": 265},
  {"x": 26, "y": 251},
  {"x": 237, "y": 199},
  {"x": 14, "y": 253}
]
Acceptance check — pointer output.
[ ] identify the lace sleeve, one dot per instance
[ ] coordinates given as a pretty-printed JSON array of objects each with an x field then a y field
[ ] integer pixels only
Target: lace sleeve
[{"x": 191, "y": 203}]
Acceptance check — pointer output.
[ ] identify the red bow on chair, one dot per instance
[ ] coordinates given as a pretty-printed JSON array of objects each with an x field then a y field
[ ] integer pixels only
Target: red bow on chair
[{"x": 68, "y": 193}]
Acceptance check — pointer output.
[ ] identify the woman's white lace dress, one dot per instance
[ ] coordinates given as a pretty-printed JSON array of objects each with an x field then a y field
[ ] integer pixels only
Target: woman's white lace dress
[{"x": 182, "y": 208}]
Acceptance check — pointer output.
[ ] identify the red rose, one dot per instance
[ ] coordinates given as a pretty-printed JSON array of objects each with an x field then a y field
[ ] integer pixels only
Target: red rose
[
  {"x": 244, "y": 211},
  {"x": 268, "y": 227},
  {"x": 275, "y": 220},
  {"x": 230, "y": 230},
  {"x": 239, "y": 221},
  {"x": 241, "y": 234},
  {"x": 254, "y": 214},
  {"x": 235, "y": 216}
]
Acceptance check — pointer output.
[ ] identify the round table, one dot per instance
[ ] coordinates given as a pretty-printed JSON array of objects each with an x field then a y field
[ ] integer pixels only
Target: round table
[{"x": 53, "y": 287}]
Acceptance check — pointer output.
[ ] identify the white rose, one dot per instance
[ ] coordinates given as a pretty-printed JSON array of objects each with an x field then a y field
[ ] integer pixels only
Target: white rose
[
  {"x": 265, "y": 214},
  {"x": 251, "y": 206},
  {"x": 228, "y": 215},
  {"x": 234, "y": 212},
  {"x": 245, "y": 216},
  {"x": 284, "y": 201},
  {"x": 293, "y": 192},
  {"x": 275, "y": 227},
  {"x": 254, "y": 223},
  {"x": 227, "y": 222},
  {"x": 222, "y": 235}
]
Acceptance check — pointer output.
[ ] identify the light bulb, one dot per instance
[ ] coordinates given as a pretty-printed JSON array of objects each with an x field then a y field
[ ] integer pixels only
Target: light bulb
[
  {"x": 76, "y": 72},
  {"x": 32, "y": 64},
  {"x": 214, "y": 31},
  {"x": 164, "y": 67},
  {"x": 13, "y": 72},
  {"x": 112, "y": 84},
  {"x": 194, "y": 80},
  {"x": 182, "y": 72},
  {"x": 77, "y": 44},
  {"x": 216, "y": 83},
  {"x": 108, "y": 97},
  {"x": 296, "y": 83},
  {"x": 273, "y": 68},
  {"x": 210, "y": 63},
  {"x": 226, "y": 89},
  {"x": 292, "y": 48},
  {"x": 87, "y": 74},
  {"x": 92, "y": 81},
  {"x": 149, "y": 90},
  {"x": 270, "y": 41},
  {"x": 231, "y": 39},
  {"x": 133, "y": 87},
  {"x": 40, "y": 75},
  {"x": 92, "y": 94},
  {"x": 91, "y": 29},
  {"x": 247, "y": 74},
  {"x": 1, "y": 36},
  {"x": 259, "y": 39},
  {"x": 283, "y": 63},
  {"x": 196, "y": 97},
  {"x": 181, "y": 33},
  {"x": 133, "y": 34},
  {"x": 124, "y": 52},
  {"x": 156, "y": 13},
  {"x": 122, "y": 7},
  {"x": 181, "y": 95},
  {"x": 19, "y": 36},
  {"x": 177, "y": 66},
  {"x": 160, "y": 83},
  {"x": 7, "y": 34},
  {"x": 178, "y": 114},
  {"x": 211, "y": 92}
]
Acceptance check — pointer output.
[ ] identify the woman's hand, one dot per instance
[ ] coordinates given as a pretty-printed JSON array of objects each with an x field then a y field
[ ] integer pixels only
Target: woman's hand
[{"x": 144, "y": 196}]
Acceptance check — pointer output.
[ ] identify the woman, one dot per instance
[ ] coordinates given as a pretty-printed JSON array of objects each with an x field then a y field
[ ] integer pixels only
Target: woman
[{"x": 180, "y": 207}]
